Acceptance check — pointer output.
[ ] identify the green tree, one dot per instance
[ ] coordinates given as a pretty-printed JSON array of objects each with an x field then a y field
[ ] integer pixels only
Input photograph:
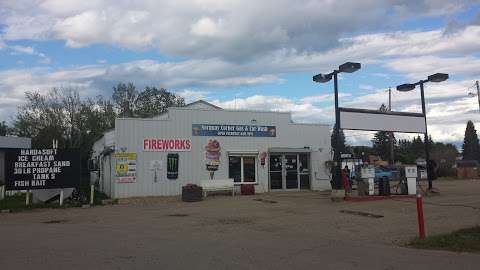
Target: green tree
[
  {"x": 381, "y": 140},
  {"x": 362, "y": 151},
  {"x": 4, "y": 130},
  {"x": 340, "y": 143},
  {"x": 418, "y": 147},
  {"x": 41, "y": 118},
  {"x": 61, "y": 114},
  {"x": 124, "y": 97},
  {"x": 153, "y": 101},
  {"x": 445, "y": 155},
  {"x": 471, "y": 147},
  {"x": 404, "y": 153}
]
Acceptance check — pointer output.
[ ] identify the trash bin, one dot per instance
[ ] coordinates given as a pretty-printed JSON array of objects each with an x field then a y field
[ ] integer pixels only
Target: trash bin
[{"x": 192, "y": 193}]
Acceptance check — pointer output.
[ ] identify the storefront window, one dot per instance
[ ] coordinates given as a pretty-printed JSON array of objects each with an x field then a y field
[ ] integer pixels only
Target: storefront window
[
  {"x": 249, "y": 169},
  {"x": 235, "y": 168},
  {"x": 242, "y": 169}
]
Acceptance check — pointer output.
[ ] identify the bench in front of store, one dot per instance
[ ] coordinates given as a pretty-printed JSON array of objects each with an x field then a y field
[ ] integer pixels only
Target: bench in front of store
[{"x": 217, "y": 185}]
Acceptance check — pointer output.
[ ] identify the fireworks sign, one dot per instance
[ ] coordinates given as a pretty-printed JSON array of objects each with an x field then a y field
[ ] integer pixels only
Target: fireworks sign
[{"x": 42, "y": 168}]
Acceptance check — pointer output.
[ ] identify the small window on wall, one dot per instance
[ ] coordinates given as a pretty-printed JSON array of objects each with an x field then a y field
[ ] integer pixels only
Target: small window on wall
[{"x": 242, "y": 169}]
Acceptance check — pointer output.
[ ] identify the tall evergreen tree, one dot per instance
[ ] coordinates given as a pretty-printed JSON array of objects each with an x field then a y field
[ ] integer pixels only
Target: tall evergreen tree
[
  {"x": 471, "y": 147},
  {"x": 404, "y": 152},
  {"x": 418, "y": 147},
  {"x": 340, "y": 145}
]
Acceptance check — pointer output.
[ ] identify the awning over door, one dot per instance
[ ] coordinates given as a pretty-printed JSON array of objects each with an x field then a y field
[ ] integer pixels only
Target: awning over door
[{"x": 289, "y": 150}]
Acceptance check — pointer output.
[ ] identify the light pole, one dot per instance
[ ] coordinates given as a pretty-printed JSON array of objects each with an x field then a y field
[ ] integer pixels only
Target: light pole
[
  {"x": 478, "y": 94},
  {"x": 437, "y": 77},
  {"x": 348, "y": 67}
]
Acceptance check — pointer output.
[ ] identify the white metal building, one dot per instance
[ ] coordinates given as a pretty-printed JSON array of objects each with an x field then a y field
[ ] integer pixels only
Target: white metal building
[{"x": 157, "y": 156}]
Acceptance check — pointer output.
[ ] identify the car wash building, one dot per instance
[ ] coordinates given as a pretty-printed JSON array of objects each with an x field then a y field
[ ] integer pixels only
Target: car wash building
[{"x": 200, "y": 141}]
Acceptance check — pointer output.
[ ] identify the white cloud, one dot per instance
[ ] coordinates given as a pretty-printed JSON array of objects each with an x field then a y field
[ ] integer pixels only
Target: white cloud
[
  {"x": 244, "y": 81},
  {"x": 302, "y": 111},
  {"x": 23, "y": 49},
  {"x": 192, "y": 95},
  {"x": 421, "y": 67},
  {"x": 17, "y": 49},
  {"x": 236, "y": 43},
  {"x": 205, "y": 27},
  {"x": 365, "y": 87},
  {"x": 234, "y": 29}
]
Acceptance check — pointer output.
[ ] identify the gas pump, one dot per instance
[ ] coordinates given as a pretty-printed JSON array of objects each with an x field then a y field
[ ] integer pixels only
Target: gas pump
[
  {"x": 367, "y": 173},
  {"x": 411, "y": 175}
]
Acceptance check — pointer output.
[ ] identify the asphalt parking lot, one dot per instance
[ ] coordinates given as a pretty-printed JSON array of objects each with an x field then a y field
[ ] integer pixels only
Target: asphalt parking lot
[{"x": 288, "y": 230}]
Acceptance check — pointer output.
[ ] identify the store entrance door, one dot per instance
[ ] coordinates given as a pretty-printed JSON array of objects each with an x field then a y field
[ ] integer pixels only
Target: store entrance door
[{"x": 289, "y": 171}]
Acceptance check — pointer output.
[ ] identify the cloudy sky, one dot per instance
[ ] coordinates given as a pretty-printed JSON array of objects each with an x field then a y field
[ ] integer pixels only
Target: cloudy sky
[{"x": 250, "y": 54}]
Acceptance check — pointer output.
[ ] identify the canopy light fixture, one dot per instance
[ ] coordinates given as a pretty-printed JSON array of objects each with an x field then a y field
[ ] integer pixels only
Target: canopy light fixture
[
  {"x": 406, "y": 87},
  {"x": 349, "y": 67},
  {"x": 322, "y": 78},
  {"x": 438, "y": 77}
]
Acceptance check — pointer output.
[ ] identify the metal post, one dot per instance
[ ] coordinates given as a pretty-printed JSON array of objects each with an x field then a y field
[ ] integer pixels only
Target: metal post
[
  {"x": 478, "y": 94},
  {"x": 92, "y": 192},
  {"x": 27, "y": 198},
  {"x": 420, "y": 218},
  {"x": 427, "y": 141},
  {"x": 337, "y": 179},
  {"x": 61, "y": 197}
]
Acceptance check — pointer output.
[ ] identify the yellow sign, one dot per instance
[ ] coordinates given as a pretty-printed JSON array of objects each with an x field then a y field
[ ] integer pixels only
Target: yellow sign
[
  {"x": 121, "y": 168},
  {"x": 125, "y": 155},
  {"x": 125, "y": 167}
]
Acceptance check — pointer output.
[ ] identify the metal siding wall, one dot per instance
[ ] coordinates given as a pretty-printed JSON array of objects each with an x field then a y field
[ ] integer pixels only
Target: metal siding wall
[
  {"x": 2, "y": 167},
  {"x": 131, "y": 132}
]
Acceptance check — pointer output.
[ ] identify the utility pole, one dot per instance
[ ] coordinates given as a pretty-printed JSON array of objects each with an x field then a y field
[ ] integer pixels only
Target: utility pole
[
  {"x": 478, "y": 94},
  {"x": 390, "y": 134}
]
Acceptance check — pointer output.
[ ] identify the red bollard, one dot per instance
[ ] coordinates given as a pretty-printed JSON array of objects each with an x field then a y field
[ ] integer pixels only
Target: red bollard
[{"x": 421, "y": 221}]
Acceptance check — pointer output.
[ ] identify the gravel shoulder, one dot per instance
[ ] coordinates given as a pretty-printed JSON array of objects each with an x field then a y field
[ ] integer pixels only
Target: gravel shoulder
[{"x": 287, "y": 230}]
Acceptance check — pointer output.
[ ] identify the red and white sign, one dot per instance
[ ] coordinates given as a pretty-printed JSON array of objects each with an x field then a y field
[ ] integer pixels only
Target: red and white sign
[
  {"x": 128, "y": 179},
  {"x": 162, "y": 145}
]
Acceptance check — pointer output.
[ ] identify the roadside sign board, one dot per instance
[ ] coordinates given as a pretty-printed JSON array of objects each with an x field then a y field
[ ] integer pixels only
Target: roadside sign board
[
  {"x": 125, "y": 167},
  {"x": 42, "y": 168}
]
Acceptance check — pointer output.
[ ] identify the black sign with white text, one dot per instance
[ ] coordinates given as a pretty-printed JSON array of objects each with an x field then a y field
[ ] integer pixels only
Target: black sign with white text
[{"x": 42, "y": 168}]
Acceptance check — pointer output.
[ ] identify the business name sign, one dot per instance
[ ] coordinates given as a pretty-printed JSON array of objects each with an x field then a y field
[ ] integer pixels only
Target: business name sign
[
  {"x": 42, "y": 168},
  {"x": 171, "y": 145},
  {"x": 361, "y": 119},
  {"x": 233, "y": 130}
]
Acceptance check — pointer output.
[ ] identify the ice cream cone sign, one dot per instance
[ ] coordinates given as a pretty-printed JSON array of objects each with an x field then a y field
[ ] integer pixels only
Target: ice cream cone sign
[
  {"x": 212, "y": 156},
  {"x": 263, "y": 157}
]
